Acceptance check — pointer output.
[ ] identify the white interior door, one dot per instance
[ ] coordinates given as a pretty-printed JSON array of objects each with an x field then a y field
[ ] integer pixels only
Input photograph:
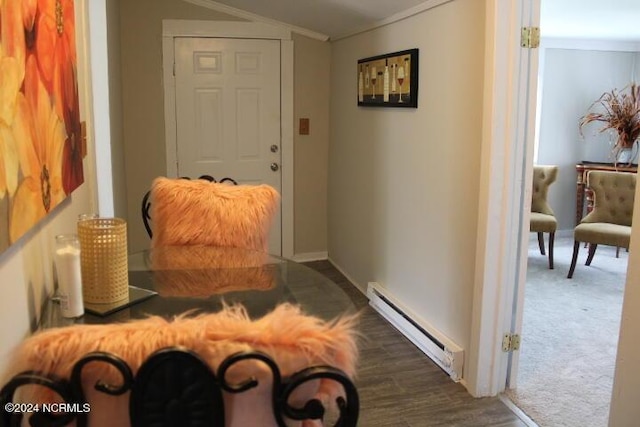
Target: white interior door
[
  {"x": 506, "y": 174},
  {"x": 228, "y": 112},
  {"x": 525, "y": 131}
]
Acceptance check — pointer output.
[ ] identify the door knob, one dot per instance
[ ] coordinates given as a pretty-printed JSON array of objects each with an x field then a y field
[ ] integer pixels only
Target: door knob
[
  {"x": 274, "y": 167},
  {"x": 274, "y": 148}
]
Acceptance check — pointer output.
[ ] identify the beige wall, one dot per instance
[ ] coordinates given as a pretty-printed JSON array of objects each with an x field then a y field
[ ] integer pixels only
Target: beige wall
[
  {"x": 312, "y": 67},
  {"x": 115, "y": 109},
  {"x": 26, "y": 268},
  {"x": 403, "y": 183},
  {"x": 570, "y": 81},
  {"x": 143, "y": 116},
  {"x": 142, "y": 97},
  {"x": 625, "y": 411}
]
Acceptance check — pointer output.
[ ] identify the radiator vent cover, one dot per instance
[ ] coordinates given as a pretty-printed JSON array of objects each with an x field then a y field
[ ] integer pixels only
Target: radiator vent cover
[{"x": 444, "y": 352}]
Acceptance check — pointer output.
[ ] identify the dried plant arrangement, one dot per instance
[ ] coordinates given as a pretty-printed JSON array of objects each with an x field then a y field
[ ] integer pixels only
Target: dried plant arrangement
[{"x": 618, "y": 110}]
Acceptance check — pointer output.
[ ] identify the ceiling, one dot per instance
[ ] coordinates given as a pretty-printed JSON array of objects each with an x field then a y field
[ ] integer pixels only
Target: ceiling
[
  {"x": 594, "y": 19},
  {"x": 333, "y": 18}
]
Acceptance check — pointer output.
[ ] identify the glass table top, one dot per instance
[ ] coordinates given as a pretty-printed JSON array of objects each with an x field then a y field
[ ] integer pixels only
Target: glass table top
[{"x": 198, "y": 279}]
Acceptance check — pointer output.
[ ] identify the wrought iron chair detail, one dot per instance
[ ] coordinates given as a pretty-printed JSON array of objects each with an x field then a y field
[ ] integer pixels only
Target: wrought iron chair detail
[
  {"x": 146, "y": 203},
  {"x": 174, "y": 386}
]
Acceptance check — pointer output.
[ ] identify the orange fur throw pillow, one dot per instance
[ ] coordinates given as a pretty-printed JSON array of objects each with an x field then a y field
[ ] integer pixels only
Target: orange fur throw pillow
[
  {"x": 294, "y": 340},
  {"x": 202, "y": 271},
  {"x": 199, "y": 212}
]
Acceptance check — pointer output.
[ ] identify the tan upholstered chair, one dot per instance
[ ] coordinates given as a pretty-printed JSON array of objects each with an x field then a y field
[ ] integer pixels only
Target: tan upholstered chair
[
  {"x": 543, "y": 219},
  {"x": 609, "y": 223}
]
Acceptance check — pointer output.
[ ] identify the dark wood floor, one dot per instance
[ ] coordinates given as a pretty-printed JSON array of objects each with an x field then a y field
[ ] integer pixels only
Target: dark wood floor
[{"x": 401, "y": 387}]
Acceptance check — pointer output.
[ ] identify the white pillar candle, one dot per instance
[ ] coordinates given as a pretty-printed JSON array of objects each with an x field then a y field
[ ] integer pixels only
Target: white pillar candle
[{"x": 67, "y": 259}]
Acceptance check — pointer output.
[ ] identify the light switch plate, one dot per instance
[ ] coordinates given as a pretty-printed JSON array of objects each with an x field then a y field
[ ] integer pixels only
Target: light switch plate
[{"x": 304, "y": 127}]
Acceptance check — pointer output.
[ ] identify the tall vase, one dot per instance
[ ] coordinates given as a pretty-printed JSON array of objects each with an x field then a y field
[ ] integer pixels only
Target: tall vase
[{"x": 103, "y": 260}]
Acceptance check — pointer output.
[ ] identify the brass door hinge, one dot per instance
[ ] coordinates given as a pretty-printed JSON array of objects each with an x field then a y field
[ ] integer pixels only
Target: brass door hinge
[
  {"x": 530, "y": 37},
  {"x": 510, "y": 342}
]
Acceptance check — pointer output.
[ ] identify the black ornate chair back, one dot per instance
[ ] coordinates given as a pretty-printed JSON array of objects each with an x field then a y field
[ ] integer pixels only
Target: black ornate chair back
[
  {"x": 175, "y": 387},
  {"x": 146, "y": 203}
]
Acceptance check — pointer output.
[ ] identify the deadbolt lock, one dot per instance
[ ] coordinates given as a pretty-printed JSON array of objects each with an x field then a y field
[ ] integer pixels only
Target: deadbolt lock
[
  {"x": 274, "y": 148},
  {"x": 274, "y": 167}
]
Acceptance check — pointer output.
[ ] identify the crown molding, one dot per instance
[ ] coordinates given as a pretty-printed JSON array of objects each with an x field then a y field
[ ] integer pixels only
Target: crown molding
[
  {"x": 219, "y": 7},
  {"x": 234, "y": 29}
]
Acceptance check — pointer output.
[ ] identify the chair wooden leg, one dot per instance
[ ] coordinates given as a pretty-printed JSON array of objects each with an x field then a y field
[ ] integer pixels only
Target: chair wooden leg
[
  {"x": 576, "y": 247},
  {"x": 592, "y": 252},
  {"x": 552, "y": 236},
  {"x": 541, "y": 242}
]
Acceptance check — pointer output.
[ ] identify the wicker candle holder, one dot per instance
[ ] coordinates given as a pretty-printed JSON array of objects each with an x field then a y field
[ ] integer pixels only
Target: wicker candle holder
[{"x": 103, "y": 260}]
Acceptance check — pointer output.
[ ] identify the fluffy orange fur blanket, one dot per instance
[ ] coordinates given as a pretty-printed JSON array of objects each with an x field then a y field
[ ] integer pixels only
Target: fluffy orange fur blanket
[
  {"x": 192, "y": 212},
  {"x": 294, "y": 340}
]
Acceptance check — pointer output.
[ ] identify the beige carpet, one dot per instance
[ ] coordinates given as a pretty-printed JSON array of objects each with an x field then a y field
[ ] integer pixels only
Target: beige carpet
[{"x": 570, "y": 337}]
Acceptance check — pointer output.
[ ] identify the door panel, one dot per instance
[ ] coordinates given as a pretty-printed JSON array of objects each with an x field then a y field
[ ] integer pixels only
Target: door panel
[
  {"x": 228, "y": 112},
  {"x": 526, "y": 119}
]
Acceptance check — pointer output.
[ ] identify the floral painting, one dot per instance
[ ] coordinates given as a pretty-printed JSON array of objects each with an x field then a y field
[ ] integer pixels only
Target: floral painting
[{"x": 41, "y": 138}]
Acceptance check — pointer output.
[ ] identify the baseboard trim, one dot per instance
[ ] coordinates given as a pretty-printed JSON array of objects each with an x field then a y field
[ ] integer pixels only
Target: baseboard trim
[
  {"x": 310, "y": 256},
  {"x": 349, "y": 278},
  {"x": 432, "y": 342},
  {"x": 560, "y": 234}
]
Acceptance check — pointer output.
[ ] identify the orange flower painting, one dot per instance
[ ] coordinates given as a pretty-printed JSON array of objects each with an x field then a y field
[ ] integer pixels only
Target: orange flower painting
[{"x": 41, "y": 142}]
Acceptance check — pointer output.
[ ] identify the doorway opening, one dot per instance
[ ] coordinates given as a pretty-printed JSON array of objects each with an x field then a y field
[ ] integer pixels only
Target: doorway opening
[
  {"x": 570, "y": 326},
  {"x": 175, "y": 29}
]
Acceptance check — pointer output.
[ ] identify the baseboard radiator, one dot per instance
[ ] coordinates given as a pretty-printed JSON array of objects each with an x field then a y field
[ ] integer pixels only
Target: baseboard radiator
[{"x": 448, "y": 355}]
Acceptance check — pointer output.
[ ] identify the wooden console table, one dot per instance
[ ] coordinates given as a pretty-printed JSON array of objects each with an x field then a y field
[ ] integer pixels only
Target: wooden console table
[{"x": 583, "y": 193}]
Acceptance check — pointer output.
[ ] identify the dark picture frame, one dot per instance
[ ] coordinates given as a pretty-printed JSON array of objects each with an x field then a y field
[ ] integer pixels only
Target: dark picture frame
[{"x": 389, "y": 80}]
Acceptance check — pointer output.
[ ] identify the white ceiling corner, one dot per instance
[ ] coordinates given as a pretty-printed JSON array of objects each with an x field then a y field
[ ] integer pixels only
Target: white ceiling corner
[
  {"x": 335, "y": 19},
  {"x": 591, "y": 19},
  {"x": 321, "y": 19},
  {"x": 229, "y": 10}
]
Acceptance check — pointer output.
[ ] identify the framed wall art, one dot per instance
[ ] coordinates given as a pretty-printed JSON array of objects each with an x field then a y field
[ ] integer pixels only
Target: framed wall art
[
  {"x": 389, "y": 80},
  {"x": 41, "y": 137}
]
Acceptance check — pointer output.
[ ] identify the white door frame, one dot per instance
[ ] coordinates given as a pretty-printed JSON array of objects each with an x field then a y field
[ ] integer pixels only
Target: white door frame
[
  {"x": 500, "y": 276},
  {"x": 234, "y": 29},
  {"x": 507, "y": 159},
  {"x": 99, "y": 166},
  {"x": 527, "y": 128}
]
